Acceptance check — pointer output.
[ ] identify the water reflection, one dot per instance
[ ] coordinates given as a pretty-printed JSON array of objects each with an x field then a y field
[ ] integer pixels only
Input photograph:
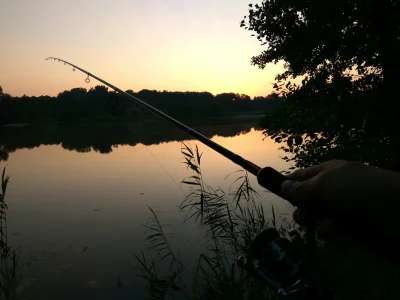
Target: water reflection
[
  {"x": 62, "y": 202},
  {"x": 102, "y": 137}
]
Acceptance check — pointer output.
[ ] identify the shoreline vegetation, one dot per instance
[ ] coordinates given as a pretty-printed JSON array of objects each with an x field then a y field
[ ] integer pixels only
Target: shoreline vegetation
[
  {"x": 99, "y": 104},
  {"x": 231, "y": 219},
  {"x": 9, "y": 277}
]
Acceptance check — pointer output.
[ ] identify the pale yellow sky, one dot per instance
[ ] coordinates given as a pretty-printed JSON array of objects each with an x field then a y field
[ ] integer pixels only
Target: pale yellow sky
[{"x": 176, "y": 45}]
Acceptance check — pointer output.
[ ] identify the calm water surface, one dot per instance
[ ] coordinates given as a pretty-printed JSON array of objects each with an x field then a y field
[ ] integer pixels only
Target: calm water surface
[{"x": 78, "y": 196}]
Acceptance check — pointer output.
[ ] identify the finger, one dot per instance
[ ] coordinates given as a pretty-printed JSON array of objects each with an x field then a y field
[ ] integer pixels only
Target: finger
[
  {"x": 301, "y": 216},
  {"x": 329, "y": 229},
  {"x": 301, "y": 193},
  {"x": 307, "y": 173},
  {"x": 304, "y": 216}
]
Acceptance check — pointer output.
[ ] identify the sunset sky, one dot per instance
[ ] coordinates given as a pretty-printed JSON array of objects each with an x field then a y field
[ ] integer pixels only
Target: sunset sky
[{"x": 176, "y": 45}]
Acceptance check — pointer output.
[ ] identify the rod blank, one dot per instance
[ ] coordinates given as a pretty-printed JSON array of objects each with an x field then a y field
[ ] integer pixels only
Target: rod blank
[{"x": 267, "y": 177}]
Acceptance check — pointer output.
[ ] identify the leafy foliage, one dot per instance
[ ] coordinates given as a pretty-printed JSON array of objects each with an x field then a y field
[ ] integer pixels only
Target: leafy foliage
[{"x": 341, "y": 61}]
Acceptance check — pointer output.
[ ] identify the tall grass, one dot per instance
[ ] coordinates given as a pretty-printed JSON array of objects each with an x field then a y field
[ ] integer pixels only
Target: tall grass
[
  {"x": 158, "y": 287},
  {"x": 231, "y": 220},
  {"x": 9, "y": 280}
]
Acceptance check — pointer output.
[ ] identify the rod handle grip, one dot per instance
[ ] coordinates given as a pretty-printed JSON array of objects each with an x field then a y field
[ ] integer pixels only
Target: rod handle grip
[{"x": 272, "y": 180}]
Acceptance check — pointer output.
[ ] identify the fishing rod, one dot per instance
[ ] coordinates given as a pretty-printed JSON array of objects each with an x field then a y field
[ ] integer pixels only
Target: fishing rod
[
  {"x": 267, "y": 177},
  {"x": 275, "y": 260}
]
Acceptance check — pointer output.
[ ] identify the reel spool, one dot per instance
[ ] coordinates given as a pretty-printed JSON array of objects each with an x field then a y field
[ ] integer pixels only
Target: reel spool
[{"x": 278, "y": 261}]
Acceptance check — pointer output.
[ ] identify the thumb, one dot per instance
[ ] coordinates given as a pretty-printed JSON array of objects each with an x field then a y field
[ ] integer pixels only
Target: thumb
[{"x": 298, "y": 192}]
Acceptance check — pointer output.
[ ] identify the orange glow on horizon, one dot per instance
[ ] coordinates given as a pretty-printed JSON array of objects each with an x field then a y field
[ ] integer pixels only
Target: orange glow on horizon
[{"x": 159, "y": 45}]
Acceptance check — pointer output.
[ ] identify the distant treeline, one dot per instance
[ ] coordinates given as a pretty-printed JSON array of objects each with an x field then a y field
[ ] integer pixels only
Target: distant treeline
[{"x": 99, "y": 103}]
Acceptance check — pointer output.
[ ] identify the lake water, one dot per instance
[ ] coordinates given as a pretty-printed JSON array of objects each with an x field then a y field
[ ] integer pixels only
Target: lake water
[{"x": 79, "y": 194}]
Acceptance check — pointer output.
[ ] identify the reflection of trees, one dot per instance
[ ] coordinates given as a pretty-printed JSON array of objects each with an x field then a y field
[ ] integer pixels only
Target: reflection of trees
[{"x": 102, "y": 137}]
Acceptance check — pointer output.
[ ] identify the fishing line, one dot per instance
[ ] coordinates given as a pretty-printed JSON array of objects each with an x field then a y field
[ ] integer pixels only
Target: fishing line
[
  {"x": 179, "y": 187},
  {"x": 267, "y": 177},
  {"x": 274, "y": 179}
]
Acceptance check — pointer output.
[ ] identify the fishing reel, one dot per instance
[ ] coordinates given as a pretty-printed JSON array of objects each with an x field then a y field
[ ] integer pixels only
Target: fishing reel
[{"x": 278, "y": 261}]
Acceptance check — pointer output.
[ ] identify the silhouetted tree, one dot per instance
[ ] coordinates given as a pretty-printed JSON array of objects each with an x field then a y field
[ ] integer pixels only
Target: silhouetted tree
[
  {"x": 6, "y": 115},
  {"x": 98, "y": 103},
  {"x": 346, "y": 53}
]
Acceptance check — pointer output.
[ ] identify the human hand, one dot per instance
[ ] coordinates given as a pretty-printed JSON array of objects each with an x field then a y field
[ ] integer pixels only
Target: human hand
[{"x": 346, "y": 195}]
